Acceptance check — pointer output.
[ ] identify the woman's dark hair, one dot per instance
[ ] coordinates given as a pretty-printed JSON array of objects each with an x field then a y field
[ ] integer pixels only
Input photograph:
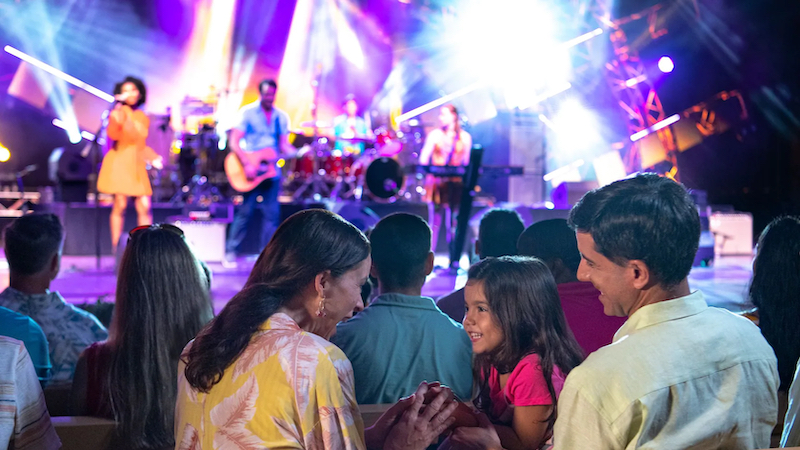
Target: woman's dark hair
[
  {"x": 775, "y": 290},
  {"x": 306, "y": 244},
  {"x": 139, "y": 85},
  {"x": 524, "y": 302},
  {"x": 162, "y": 302}
]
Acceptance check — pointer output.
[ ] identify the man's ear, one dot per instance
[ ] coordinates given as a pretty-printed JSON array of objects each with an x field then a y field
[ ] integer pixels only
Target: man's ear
[
  {"x": 373, "y": 272},
  {"x": 640, "y": 273},
  {"x": 429, "y": 263}
]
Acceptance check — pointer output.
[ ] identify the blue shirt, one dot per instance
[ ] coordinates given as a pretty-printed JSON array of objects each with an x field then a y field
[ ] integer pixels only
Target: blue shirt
[
  {"x": 343, "y": 127},
  {"x": 23, "y": 328},
  {"x": 399, "y": 341},
  {"x": 258, "y": 133},
  {"x": 69, "y": 329}
]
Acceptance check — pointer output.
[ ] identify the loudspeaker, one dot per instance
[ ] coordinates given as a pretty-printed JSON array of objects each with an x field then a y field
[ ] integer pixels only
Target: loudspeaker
[{"x": 205, "y": 237}]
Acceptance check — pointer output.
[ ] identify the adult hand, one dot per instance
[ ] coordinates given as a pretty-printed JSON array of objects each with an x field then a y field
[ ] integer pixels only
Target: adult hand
[
  {"x": 250, "y": 169},
  {"x": 421, "y": 423},
  {"x": 482, "y": 437}
]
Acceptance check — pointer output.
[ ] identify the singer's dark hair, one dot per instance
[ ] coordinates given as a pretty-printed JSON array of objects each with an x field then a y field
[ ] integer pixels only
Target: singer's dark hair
[{"x": 139, "y": 85}]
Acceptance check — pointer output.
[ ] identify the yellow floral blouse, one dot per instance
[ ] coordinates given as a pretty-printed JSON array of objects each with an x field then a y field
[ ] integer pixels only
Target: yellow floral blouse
[{"x": 288, "y": 389}]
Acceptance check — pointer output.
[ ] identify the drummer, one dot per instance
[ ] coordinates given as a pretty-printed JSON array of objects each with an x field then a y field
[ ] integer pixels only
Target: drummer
[{"x": 351, "y": 130}]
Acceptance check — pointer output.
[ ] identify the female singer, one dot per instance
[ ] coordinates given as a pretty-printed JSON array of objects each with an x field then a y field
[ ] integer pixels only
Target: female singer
[
  {"x": 447, "y": 145},
  {"x": 124, "y": 169}
]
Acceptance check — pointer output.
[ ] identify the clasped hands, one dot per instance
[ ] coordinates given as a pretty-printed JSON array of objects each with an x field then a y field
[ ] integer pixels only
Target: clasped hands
[{"x": 417, "y": 421}]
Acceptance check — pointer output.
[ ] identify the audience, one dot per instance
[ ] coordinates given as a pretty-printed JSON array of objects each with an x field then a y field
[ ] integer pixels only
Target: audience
[
  {"x": 679, "y": 373},
  {"x": 33, "y": 248},
  {"x": 497, "y": 236},
  {"x": 553, "y": 241},
  {"x": 775, "y": 291},
  {"x": 263, "y": 374},
  {"x": 161, "y": 304},
  {"x": 523, "y": 351},
  {"x": 23, "y": 328},
  {"x": 24, "y": 421},
  {"x": 402, "y": 338},
  {"x": 791, "y": 425}
]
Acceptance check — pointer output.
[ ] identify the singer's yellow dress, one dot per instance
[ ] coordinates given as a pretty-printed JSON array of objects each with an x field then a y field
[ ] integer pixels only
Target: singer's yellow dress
[{"x": 124, "y": 169}]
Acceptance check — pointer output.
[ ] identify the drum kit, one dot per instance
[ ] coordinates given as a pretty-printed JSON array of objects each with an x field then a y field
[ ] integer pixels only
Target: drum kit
[{"x": 322, "y": 170}]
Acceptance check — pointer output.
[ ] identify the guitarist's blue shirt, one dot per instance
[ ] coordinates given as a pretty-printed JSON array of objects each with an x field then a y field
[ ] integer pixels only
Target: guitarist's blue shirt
[{"x": 258, "y": 134}]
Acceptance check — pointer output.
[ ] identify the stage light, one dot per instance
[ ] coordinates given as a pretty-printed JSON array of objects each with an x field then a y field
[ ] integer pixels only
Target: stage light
[
  {"x": 5, "y": 153},
  {"x": 665, "y": 64}
]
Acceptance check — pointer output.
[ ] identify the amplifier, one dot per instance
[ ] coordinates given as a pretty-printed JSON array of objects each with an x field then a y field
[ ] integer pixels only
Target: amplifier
[
  {"x": 733, "y": 233},
  {"x": 205, "y": 237}
]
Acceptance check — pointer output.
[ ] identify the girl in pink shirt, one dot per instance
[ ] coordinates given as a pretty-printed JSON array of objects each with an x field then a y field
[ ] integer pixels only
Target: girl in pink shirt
[{"x": 523, "y": 350}]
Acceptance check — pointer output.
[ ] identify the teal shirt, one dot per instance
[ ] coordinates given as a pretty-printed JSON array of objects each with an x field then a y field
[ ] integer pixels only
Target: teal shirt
[
  {"x": 23, "y": 328},
  {"x": 399, "y": 341}
]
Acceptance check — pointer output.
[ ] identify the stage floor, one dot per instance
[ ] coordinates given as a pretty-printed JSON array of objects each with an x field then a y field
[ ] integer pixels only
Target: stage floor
[{"x": 80, "y": 282}]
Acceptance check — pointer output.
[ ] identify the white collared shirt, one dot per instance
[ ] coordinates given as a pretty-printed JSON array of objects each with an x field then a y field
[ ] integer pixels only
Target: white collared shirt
[{"x": 678, "y": 375}]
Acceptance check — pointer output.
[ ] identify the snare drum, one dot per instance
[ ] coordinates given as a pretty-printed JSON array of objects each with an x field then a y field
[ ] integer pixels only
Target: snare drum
[{"x": 384, "y": 178}]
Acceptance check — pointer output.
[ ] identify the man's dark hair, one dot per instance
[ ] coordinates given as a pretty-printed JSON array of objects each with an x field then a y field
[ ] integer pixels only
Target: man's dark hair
[
  {"x": 31, "y": 241},
  {"x": 266, "y": 82},
  {"x": 649, "y": 218},
  {"x": 550, "y": 240},
  {"x": 400, "y": 243},
  {"x": 498, "y": 233}
]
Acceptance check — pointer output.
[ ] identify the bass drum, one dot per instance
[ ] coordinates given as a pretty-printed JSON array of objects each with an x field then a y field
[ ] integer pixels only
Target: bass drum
[{"x": 384, "y": 178}]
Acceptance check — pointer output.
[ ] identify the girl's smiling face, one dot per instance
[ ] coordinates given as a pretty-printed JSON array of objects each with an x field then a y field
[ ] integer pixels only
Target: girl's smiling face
[{"x": 480, "y": 323}]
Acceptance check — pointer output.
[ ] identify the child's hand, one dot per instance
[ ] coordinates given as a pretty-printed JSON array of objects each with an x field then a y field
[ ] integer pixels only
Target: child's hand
[{"x": 481, "y": 437}]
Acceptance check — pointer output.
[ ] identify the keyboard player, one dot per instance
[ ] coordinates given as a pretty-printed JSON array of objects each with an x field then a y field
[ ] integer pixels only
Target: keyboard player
[{"x": 447, "y": 145}]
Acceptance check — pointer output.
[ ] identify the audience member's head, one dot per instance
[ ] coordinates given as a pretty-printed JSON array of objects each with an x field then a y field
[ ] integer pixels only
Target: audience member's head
[
  {"x": 637, "y": 237},
  {"x": 552, "y": 241},
  {"x": 498, "y": 233},
  {"x": 401, "y": 253},
  {"x": 33, "y": 245},
  {"x": 310, "y": 264},
  {"x": 775, "y": 290},
  {"x": 162, "y": 302}
]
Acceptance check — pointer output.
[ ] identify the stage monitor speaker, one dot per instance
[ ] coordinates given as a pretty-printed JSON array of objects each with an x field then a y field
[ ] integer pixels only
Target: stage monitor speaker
[
  {"x": 206, "y": 237},
  {"x": 733, "y": 233}
]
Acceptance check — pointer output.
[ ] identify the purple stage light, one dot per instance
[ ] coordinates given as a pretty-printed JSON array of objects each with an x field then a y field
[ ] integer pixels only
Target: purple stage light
[{"x": 665, "y": 64}]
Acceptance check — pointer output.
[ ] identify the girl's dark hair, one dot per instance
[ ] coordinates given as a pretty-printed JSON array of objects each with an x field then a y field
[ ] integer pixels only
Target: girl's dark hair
[
  {"x": 306, "y": 244},
  {"x": 775, "y": 290},
  {"x": 139, "y": 85},
  {"x": 162, "y": 302},
  {"x": 524, "y": 302}
]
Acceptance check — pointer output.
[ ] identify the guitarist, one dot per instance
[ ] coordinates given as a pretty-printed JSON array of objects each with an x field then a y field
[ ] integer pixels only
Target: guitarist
[{"x": 265, "y": 131}]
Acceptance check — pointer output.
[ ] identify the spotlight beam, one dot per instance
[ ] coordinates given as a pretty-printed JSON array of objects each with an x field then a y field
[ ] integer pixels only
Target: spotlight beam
[
  {"x": 438, "y": 102},
  {"x": 55, "y": 72},
  {"x": 655, "y": 127}
]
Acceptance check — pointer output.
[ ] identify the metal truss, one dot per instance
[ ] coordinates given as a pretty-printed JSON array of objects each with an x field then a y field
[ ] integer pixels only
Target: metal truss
[{"x": 626, "y": 76}]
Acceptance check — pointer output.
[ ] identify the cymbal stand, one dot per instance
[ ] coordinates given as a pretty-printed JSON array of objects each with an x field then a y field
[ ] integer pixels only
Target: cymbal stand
[{"x": 316, "y": 182}]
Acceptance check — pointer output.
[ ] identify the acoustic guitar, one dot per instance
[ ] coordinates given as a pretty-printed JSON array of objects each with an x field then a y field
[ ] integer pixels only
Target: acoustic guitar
[{"x": 234, "y": 169}]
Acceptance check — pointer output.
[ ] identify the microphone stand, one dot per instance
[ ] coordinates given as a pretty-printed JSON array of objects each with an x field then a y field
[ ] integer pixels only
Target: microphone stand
[{"x": 94, "y": 148}]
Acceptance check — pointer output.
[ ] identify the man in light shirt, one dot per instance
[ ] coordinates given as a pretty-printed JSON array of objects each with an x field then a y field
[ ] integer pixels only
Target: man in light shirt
[{"x": 678, "y": 374}]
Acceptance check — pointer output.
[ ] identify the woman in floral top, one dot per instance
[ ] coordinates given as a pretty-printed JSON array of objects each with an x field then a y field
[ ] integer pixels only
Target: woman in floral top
[{"x": 263, "y": 374}]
